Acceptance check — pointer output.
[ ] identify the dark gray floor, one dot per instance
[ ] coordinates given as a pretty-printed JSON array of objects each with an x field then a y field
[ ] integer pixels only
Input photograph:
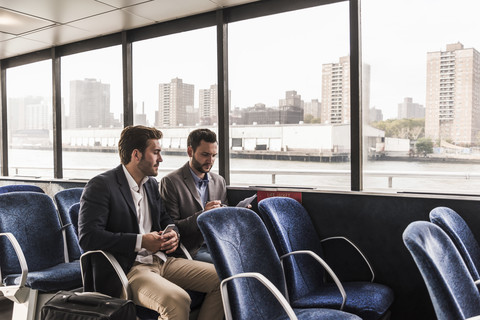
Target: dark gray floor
[{"x": 6, "y": 307}]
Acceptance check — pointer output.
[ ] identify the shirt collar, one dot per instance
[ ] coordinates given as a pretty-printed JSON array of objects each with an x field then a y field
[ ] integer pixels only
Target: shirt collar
[
  {"x": 131, "y": 182},
  {"x": 197, "y": 180}
]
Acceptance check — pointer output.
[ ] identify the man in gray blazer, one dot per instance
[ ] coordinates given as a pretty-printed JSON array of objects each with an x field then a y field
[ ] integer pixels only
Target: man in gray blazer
[
  {"x": 192, "y": 189},
  {"x": 121, "y": 212}
]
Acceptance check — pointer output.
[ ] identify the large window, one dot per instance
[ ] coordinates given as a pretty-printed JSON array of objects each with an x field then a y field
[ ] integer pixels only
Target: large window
[
  {"x": 175, "y": 89},
  {"x": 289, "y": 79},
  {"x": 422, "y": 108},
  {"x": 92, "y": 106},
  {"x": 29, "y": 112}
]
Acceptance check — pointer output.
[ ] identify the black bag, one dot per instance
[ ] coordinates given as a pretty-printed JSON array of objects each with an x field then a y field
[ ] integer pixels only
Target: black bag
[{"x": 68, "y": 305}]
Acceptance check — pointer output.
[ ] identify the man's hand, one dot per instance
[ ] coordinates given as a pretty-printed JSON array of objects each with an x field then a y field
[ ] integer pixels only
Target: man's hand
[
  {"x": 169, "y": 241},
  {"x": 154, "y": 242},
  {"x": 212, "y": 205}
]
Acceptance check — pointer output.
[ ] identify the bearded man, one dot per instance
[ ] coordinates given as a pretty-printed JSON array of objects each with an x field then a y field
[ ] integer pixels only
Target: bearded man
[{"x": 192, "y": 189}]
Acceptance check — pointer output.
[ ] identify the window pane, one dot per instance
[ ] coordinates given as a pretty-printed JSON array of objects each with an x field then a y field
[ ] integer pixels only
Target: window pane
[
  {"x": 423, "y": 120},
  {"x": 29, "y": 113},
  {"x": 93, "y": 115},
  {"x": 175, "y": 89},
  {"x": 290, "y": 99}
]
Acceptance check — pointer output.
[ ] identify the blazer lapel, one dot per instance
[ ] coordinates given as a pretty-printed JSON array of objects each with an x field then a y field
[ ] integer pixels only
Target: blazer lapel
[
  {"x": 125, "y": 190},
  {"x": 153, "y": 203},
  {"x": 190, "y": 183}
]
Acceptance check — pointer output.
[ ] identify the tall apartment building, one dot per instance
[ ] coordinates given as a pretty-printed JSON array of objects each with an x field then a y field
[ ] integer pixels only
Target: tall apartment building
[
  {"x": 208, "y": 105},
  {"x": 89, "y": 104},
  {"x": 313, "y": 108},
  {"x": 453, "y": 95},
  {"x": 174, "y": 98},
  {"x": 292, "y": 99},
  {"x": 375, "y": 115},
  {"x": 29, "y": 113},
  {"x": 410, "y": 110},
  {"x": 336, "y": 91}
]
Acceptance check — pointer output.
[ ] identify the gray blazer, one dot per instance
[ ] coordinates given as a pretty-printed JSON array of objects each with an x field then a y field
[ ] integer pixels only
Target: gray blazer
[{"x": 183, "y": 204}]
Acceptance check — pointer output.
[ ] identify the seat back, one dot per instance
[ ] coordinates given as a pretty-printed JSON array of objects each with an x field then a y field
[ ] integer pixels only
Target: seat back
[
  {"x": 291, "y": 229},
  {"x": 20, "y": 188},
  {"x": 461, "y": 235},
  {"x": 74, "y": 249},
  {"x": 73, "y": 214},
  {"x": 451, "y": 288},
  {"x": 32, "y": 218},
  {"x": 238, "y": 242},
  {"x": 64, "y": 200}
]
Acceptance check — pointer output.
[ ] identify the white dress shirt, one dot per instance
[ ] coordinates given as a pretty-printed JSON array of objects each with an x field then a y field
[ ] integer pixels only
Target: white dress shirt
[{"x": 144, "y": 218}]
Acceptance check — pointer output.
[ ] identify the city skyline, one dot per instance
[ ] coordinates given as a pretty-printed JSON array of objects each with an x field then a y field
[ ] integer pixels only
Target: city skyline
[{"x": 394, "y": 46}]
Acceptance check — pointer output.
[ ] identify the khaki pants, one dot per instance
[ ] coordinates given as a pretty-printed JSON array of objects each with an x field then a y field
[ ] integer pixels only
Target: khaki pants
[{"x": 160, "y": 286}]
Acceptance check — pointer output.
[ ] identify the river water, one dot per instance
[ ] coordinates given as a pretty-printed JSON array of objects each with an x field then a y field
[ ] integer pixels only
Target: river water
[{"x": 414, "y": 176}]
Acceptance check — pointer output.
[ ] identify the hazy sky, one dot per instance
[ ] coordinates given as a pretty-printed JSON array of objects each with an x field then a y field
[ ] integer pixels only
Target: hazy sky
[{"x": 274, "y": 54}]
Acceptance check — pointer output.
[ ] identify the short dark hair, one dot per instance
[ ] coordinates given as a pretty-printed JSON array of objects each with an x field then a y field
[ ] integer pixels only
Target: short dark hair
[
  {"x": 135, "y": 137},
  {"x": 196, "y": 136}
]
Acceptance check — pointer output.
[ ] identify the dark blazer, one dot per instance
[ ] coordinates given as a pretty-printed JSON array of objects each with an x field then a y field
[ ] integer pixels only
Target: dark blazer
[
  {"x": 184, "y": 205},
  {"x": 108, "y": 220}
]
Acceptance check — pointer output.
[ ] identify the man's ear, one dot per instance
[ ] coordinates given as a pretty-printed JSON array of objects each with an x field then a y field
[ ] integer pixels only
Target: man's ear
[
  {"x": 136, "y": 155},
  {"x": 190, "y": 151}
]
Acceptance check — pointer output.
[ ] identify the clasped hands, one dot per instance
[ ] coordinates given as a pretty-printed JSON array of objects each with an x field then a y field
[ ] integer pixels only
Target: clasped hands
[{"x": 155, "y": 241}]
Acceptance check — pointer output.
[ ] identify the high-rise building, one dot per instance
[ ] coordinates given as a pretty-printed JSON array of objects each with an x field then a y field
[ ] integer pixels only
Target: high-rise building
[
  {"x": 313, "y": 108},
  {"x": 90, "y": 104},
  {"x": 173, "y": 100},
  {"x": 30, "y": 112},
  {"x": 375, "y": 115},
  {"x": 453, "y": 95},
  {"x": 410, "y": 110},
  {"x": 292, "y": 99},
  {"x": 336, "y": 91}
]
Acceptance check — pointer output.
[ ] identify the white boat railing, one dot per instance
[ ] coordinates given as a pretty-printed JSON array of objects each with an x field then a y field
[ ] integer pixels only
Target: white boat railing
[{"x": 274, "y": 173}]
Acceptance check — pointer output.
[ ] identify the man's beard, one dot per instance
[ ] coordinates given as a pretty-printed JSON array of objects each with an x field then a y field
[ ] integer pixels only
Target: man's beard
[{"x": 198, "y": 166}]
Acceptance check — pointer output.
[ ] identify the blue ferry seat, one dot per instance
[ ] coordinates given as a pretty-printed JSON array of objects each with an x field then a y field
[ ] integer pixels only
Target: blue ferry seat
[
  {"x": 461, "y": 235},
  {"x": 20, "y": 188},
  {"x": 32, "y": 260},
  {"x": 252, "y": 278},
  {"x": 291, "y": 229},
  {"x": 451, "y": 288}
]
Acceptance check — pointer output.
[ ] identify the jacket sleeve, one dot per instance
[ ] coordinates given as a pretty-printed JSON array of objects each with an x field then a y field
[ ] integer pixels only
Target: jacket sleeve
[
  {"x": 172, "y": 201},
  {"x": 101, "y": 225}
]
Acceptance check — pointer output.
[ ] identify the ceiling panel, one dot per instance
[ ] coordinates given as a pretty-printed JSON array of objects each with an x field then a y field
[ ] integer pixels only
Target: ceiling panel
[
  {"x": 61, "y": 11},
  {"x": 163, "y": 10},
  {"x": 19, "y": 44},
  {"x": 111, "y": 22},
  {"x": 17, "y": 23},
  {"x": 123, "y": 3},
  {"x": 59, "y": 35},
  {"x": 47, "y": 23},
  {"x": 5, "y": 36}
]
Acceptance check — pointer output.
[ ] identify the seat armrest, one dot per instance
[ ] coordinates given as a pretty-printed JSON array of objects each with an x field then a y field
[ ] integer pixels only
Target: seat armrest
[
  {"x": 17, "y": 293},
  {"x": 477, "y": 283},
  {"x": 185, "y": 251},
  {"x": 269, "y": 285},
  {"x": 325, "y": 266},
  {"x": 116, "y": 266},
  {"x": 356, "y": 248}
]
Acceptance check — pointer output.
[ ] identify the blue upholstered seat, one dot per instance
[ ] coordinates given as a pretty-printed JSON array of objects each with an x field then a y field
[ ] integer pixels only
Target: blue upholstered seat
[
  {"x": 461, "y": 235},
  {"x": 291, "y": 229},
  {"x": 32, "y": 255},
  {"x": 20, "y": 188},
  {"x": 449, "y": 283},
  {"x": 241, "y": 247},
  {"x": 67, "y": 202}
]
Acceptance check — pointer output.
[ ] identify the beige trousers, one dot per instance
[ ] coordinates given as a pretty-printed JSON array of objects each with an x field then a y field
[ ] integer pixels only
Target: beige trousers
[{"x": 161, "y": 286}]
